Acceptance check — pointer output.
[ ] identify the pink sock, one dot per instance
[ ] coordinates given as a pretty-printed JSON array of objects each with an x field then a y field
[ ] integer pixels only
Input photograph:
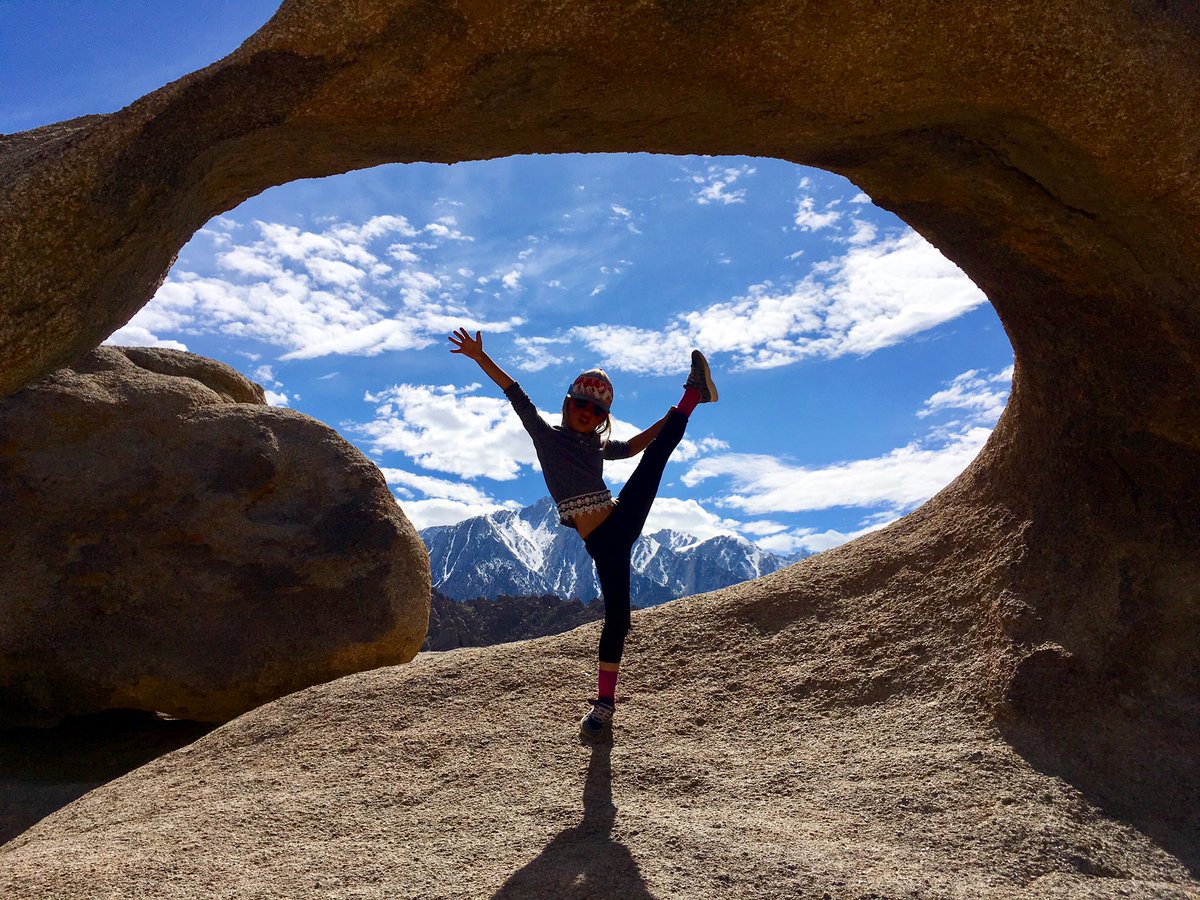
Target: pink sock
[
  {"x": 607, "y": 685},
  {"x": 691, "y": 397}
]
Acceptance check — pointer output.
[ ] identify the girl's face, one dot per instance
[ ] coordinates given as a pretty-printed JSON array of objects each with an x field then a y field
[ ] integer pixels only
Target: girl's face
[{"x": 583, "y": 416}]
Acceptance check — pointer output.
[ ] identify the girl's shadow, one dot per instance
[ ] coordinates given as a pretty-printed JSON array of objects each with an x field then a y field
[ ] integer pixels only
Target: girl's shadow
[{"x": 583, "y": 861}]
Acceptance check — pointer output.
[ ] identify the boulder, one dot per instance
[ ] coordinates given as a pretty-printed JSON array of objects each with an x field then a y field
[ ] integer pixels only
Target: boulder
[{"x": 171, "y": 543}]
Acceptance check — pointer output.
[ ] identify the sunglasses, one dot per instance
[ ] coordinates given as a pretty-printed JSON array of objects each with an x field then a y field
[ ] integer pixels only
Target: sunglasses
[{"x": 597, "y": 410}]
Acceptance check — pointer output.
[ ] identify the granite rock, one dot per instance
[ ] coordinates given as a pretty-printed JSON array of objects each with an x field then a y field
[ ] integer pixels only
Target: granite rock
[{"x": 173, "y": 544}]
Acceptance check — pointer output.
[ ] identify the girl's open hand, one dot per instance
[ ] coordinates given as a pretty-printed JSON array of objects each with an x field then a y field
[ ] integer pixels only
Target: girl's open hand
[{"x": 470, "y": 347}]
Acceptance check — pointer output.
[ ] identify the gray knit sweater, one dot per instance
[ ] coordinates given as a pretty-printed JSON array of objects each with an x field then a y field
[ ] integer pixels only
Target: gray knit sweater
[{"x": 573, "y": 463}]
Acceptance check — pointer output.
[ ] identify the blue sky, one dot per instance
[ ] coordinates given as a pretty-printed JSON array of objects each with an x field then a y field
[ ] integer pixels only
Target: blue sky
[{"x": 859, "y": 370}]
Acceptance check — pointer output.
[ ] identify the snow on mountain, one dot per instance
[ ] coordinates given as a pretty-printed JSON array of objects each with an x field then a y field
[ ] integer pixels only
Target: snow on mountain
[{"x": 526, "y": 552}]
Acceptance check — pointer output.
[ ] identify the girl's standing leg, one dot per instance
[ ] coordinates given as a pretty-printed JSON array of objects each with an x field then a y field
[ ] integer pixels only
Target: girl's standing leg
[
  {"x": 610, "y": 551},
  {"x": 611, "y": 555}
]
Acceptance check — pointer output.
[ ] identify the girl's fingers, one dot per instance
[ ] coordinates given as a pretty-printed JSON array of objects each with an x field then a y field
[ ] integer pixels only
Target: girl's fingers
[{"x": 463, "y": 342}]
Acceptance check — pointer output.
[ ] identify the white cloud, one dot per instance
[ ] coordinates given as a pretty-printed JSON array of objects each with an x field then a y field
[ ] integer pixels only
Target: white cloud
[
  {"x": 534, "y": 353},
  {"x": 715, "y": 184},
  {"x": 245, "y": 262},
  {"x": 334, "y": 272},
  {"x": 899, "y": 480},
  {"x": 788, "y": 543},
  {"x": 808, "y": 219},
  {"x": 427, "y": 513},
  {"x": 983, "y": 396},
  {"x": 403, "y": 253},
  {"x": 630, "y": 349},
  {"x": 431, "y": 501},
  {"x": 887, "y": 486},
  {"x": 132, "y": 335},
  {"x": 625, "y": 216},
  {"x": 265, "y": 375},
  {"x": 687, "y": 516},
  {"x": 449, "y": 429},
  {"x": 439, "y": 229},
  {"x": 762, "y": 527},
  {"x": 275, "y": 398},
  {"x": 874, "y": 296},
  {"x": 318, "y": 293},
  {"x": 864, "y": 232},
  {"x": 373, "y": 229},
  {"x": 405, "y": 482}
]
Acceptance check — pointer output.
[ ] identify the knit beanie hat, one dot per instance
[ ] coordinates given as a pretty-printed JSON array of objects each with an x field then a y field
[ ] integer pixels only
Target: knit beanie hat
[{"x": 593, "y": 385}]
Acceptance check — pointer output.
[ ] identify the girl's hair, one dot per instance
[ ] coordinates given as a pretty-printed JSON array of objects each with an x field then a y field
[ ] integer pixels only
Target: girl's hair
[{"x": 602, "y": 429}]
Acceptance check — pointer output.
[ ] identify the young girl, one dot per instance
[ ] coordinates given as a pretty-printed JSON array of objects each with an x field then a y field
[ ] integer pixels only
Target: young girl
[{"x": 572, "y": 457}]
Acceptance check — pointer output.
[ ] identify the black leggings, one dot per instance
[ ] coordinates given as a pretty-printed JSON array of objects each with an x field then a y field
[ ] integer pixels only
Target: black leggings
[{"x": 610, "y": 545}]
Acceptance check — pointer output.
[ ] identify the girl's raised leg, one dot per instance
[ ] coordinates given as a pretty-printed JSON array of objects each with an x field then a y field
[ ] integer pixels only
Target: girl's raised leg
[{"x": 636, "y": 498}]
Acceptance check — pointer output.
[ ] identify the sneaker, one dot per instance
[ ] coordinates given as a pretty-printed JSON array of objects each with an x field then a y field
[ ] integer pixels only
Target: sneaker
[
  {"x": 701, "y": 378},
  {"x": 596, "y": 726}
]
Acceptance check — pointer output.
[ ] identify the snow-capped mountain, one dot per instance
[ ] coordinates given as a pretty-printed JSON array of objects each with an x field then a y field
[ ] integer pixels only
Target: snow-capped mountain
[{"x": 526, "y": 552}]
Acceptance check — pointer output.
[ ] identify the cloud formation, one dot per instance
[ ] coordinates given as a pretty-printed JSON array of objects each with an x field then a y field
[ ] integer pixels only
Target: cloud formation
[
  {"x": 132, "y": 335},
  {"x": 448, "y": 429},
  {"x": 877, "y": 294},
  {"x": 429, "y": 501},
  {"x": 715, "y": 184},
  {"x": 688, "y": 516},
  {"x": 899, "y": 480},
  {"x": 886, "y": 486},
  {"x": 809, "y": 218},
  {"x": 350, "y": 289},
  {"x": 980, "y": 395}
]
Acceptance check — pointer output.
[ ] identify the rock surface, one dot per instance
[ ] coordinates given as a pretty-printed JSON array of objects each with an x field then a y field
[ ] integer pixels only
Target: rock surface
[
  {"x": 1047, "y": 148},
  {"x": 170, "y": 543},
  {"x": 44, "y": 769},
  {"x": 780, "y": 740}
]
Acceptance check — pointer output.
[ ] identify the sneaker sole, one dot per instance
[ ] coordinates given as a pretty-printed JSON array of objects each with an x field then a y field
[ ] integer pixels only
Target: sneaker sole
[{"x": 698, "y": 361}]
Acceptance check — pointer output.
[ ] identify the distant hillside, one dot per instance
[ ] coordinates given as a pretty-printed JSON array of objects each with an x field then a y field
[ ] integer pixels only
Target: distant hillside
[
  {"x": 526, "y": 553},
  {"x": 483, "y": 621}
]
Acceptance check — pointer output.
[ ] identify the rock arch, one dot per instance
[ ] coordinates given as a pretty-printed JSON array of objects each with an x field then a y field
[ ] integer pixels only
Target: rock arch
[{"x": 1048, "y": 149}]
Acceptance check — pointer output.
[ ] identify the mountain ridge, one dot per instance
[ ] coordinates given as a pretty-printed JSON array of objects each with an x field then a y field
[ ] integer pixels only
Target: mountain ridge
[{"x": 526, "y": 552}]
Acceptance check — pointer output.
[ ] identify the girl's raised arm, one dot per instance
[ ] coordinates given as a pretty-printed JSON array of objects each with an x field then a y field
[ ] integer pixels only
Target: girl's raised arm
[{"x": 472, "y": 348}]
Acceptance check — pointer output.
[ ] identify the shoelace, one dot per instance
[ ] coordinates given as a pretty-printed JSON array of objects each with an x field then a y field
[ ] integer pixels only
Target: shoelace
[{"x": 602, "y": 712}]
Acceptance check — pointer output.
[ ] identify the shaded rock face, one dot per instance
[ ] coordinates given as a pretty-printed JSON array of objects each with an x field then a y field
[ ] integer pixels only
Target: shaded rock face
[
  {"x": 170, "y": 543},
  {"x": 1048, "y": 149}
]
